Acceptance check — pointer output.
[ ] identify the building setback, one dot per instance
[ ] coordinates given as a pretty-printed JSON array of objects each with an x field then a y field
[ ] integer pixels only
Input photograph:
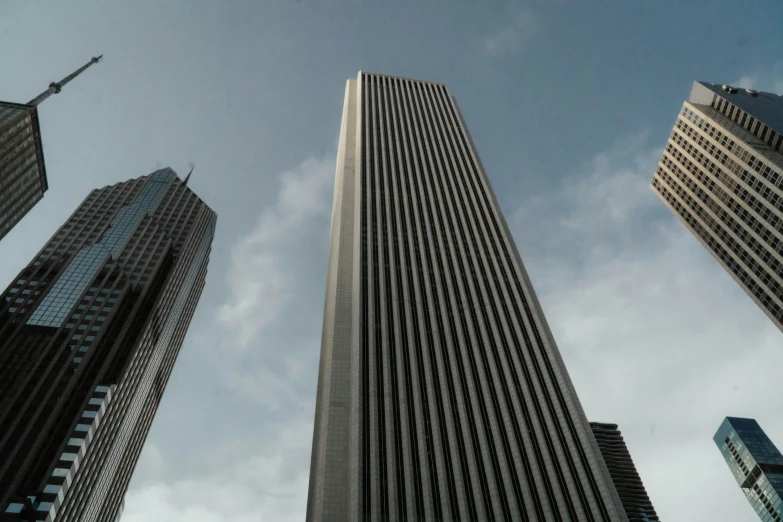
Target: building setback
[
  {"x": 626, "y": 479},
  {"x": 756, "y": 464},
  {"x": 89, "y": 333},
  {"x": 441, "y": 392},
  {"x": 722, "y": 175},
  {"x": 22, "y": 171}
]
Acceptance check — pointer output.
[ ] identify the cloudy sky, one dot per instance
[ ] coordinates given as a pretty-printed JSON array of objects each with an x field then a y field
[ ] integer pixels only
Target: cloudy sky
[{"x": 569, "y": 103}]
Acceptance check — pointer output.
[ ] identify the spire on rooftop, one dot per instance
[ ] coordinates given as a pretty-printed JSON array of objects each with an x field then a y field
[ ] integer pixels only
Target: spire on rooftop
[
  {"x": 56, "y": 87},
  {"x": 188, "y": 176}
]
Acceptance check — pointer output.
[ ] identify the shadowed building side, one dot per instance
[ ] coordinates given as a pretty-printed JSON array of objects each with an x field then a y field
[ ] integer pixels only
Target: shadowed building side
[
  {"x": 89, "y": 333},
  {"x": 637, "y": 504}
]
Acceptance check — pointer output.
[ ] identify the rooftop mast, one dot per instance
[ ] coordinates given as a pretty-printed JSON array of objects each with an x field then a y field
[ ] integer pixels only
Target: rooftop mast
[{"x": 56, "y": 87}]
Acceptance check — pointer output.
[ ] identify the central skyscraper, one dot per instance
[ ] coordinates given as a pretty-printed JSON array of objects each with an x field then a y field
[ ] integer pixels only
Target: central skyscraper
[
  {"x": 441, "y": 392},
  {"x": 89, "y": 332}
]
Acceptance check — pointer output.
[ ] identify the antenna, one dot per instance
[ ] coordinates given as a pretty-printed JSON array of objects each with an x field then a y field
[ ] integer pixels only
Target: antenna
[{"x": 56, "y": 87}]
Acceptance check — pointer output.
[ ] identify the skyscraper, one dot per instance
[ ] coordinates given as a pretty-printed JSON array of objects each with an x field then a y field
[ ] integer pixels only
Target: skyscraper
[
  {"x": 722, "y": 175},
  {"x": 756, "y": 463},
  {"x": 441, "y": 392},
  {"x": 22, "y": 171},
  {"x": 89, "y": 332},
  {"x": 626, "y": 479}
]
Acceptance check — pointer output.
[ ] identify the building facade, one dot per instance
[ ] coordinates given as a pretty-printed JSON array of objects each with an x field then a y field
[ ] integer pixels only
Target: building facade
[
  {"x": 89, "y": 333},
  {"x": 22, "y": 172},
  {"x": 756, "y": 464},
  {"x": 441, "y": 392},
  {"x": 626, "y": 479},
  {"x": 722, "y": 175}
]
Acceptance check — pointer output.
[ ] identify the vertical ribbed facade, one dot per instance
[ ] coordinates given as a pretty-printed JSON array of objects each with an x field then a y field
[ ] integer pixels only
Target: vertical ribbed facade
[
  {"x": 22, "y": 174},
  {"x": 441, "y": 393},
  {"x": 756, "y": 464},
  {"x": 89, "y": 333},
  {"x": 626, "y": 479},
  {"x": 722, "y": 175}
]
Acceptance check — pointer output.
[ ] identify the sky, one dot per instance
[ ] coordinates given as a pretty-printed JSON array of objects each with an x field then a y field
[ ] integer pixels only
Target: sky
[{"x": 569, "y": 103}]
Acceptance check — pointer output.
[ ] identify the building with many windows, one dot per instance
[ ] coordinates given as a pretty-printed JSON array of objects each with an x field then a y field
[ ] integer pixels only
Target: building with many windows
[
  {"x": 89, "y": 333},
  {"x": 22, "y": 171},
  {"x": 626, "y": 479},
  {"x": 756, "y": 464},
  {"x": 441, "y": 392},
  {"x": 722, "y": 175}
]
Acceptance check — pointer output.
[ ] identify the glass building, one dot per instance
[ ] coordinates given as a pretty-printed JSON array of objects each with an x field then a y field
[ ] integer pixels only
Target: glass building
[
  {"x": 722, "y": 175},
  {"x": 441, "y": 392},
  {"x": 22, "y": 172},
  {"x": 756, "y": 464},
  {"x": 626, "y": 479},
  {"x": 89, "y": 333}
]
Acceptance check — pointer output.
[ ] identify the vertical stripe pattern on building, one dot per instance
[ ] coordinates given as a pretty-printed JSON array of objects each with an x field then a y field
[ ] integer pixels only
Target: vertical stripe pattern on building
[{"x": 441, "y": 393}]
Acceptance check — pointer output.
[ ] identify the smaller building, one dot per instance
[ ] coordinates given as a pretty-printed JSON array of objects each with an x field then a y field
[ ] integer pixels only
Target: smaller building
[
  {"x": 756, "y": 463},
  {"x": 22, "y": 172},
  {"x": 626, "y": 479}
]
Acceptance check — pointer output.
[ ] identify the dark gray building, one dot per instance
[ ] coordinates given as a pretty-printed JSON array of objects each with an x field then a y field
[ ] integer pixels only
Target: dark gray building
[
  {"x": 441, "y": 392},
  {"x": 722, "y": 175},
  {"x": 22, "y": 171},
  {"x": 89, "y": 333},
  {"x": 626, "y": 479},
  {"x": 756, "y": 464}
]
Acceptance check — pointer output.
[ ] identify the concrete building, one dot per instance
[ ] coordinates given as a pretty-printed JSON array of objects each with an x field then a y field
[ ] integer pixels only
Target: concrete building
[
  {"x": 89, "y": 333},
  {"x": 22, "y": 171},
  {"x": 722, "y": 175},
  {"x": 756, "y": 464},
  {"x": 441, "y": 392},
  {"x": 626, "y": 479}
]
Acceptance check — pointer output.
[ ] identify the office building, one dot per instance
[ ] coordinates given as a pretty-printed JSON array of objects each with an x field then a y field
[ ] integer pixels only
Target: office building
[
  {"x": 638, "y": 507},
  {"x": 22, "y": 171},
  {"x": 89, "y": 333},
  {"x": 756, "y": 464},
  {"x": 722, "y": 175},
  {"x": 441, "y": 392}
]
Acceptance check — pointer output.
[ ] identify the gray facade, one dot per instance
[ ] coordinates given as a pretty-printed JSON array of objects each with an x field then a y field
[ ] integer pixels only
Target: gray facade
[
  {"x": 722, "y": 175},
  {"x": 441, "y": 392},
  {"x": 89, "y": 333},
  {"x": 756, "y": 464},
  {"x": 626, "y": 479}
]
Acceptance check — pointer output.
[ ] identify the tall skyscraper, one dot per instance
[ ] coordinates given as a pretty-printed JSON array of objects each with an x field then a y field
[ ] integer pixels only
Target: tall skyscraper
[
  {"x": 22, "y": 172},
  {"x": 89, "y": 332},
  {"x": 626, "y": 479},
  {"x": 756, "y": 463},
  {"x": 722, "y": 175},
  {"x": 441, "y": 392}
]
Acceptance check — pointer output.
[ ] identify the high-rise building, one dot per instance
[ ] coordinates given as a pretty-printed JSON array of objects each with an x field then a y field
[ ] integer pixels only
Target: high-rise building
[
  {"x": 722, "y": 175},
  {"x": 89, "y": 332},
  {"x": 22, "y": 171},
  {"x": 756, "y": 464},
  {"x": 441, "y": 392},
  {"x": 626, "y": 479}
]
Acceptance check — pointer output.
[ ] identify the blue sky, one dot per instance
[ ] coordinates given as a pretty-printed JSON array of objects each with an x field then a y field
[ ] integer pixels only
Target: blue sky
[{"x": 569, "y": 104}]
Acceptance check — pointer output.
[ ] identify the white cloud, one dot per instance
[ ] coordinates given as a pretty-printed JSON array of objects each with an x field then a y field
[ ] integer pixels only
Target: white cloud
[
  {"x": 259, "y": 281},
  {"x": 519, "y": 27},
  {"x": 656, "y": 335},
  {"x": 770, "y": 79},
  {"x": 266, "y": 482}
]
